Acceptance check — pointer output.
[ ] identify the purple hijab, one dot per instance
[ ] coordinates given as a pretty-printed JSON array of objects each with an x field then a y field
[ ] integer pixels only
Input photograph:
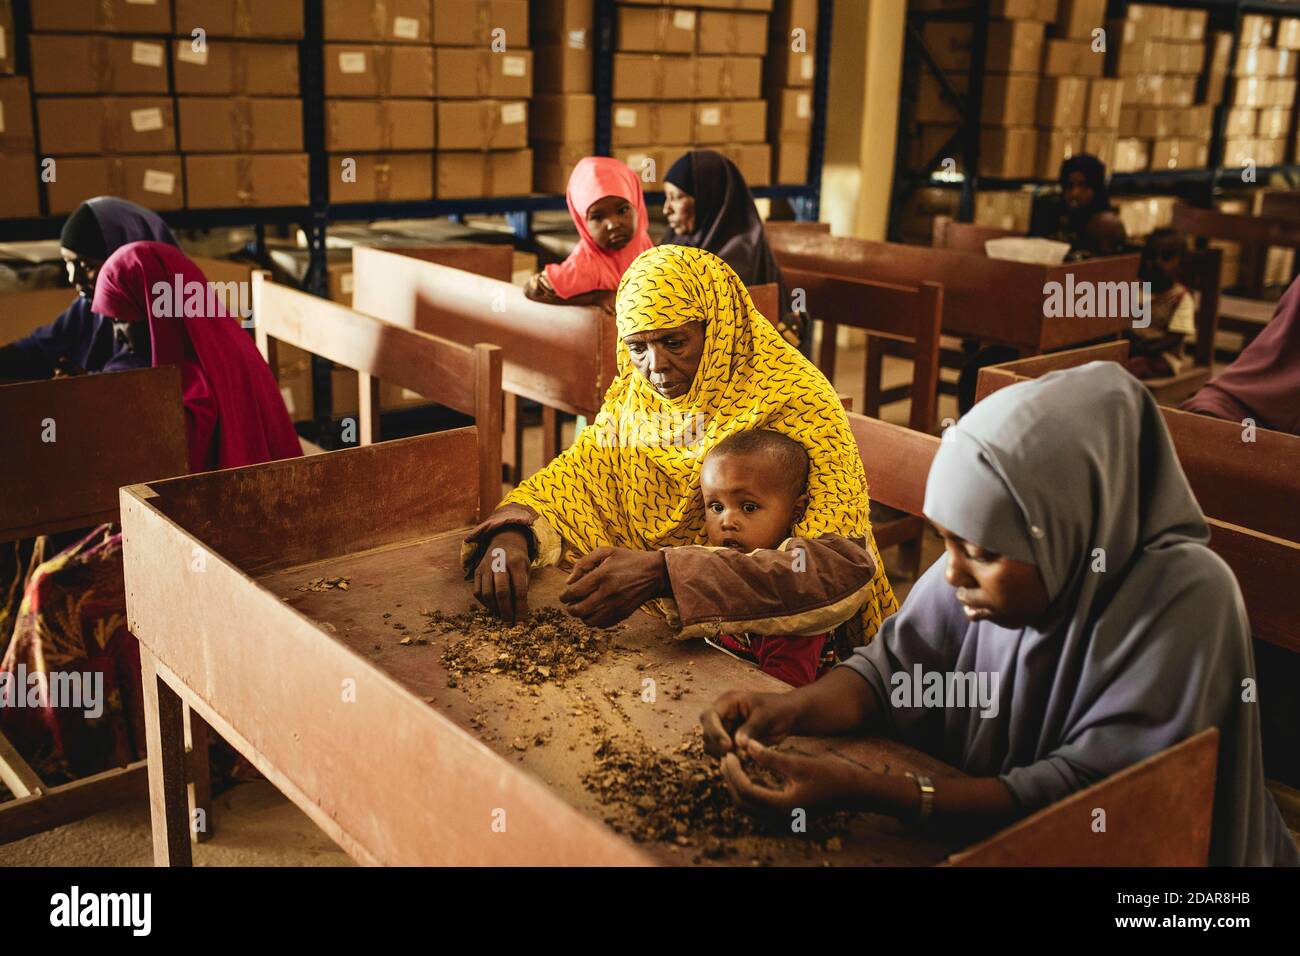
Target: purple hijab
[
  {"x": 78, "y": 334},
  {"x": 1264, "y": 382}
]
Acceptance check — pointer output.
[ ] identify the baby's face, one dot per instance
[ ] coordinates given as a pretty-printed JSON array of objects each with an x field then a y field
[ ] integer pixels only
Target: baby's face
[{"x": 747, "y": 505}]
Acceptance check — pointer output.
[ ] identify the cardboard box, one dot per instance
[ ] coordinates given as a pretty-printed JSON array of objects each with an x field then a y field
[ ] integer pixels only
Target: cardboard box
[
  {"x": 654, "y": 76},
  {"x": 791, "y": 46},
  {"x": 1269, "y": 152},
  {"x": 634, "y": 123},
  {"x": 1178, "y": 154},
  {"x": 98, "y": 64},
  {"x": 106, "y": 124},
  {"x": 1014, "y": 46},
  {"x": 1287, "y": 33},
  {"x": 1054, "y": 147},
  {"x": 1072, "y": 58},
  {"x": 1142, "y": 215},
  {"x": 7, "y": 37},
  {"x": 650, "y": 163},
  {"x": 102, "y": 16},
  {"x": 728, "y": 77},
  {"x": 791, "y": 111},
  {"x": 1240, "y": 151},
  {"x": 1130, "y": 59},
  {"x": 559, "y": 21},
  {"x": 733, "y": 121},
  {"x": 1101, "y": 143},
  {"x": 1256, "y": 61},
  {"x": 472, "y": 175},
  {"x": 221, "y": 180},
  {"x": 264, "y": 20},
  {"x": 641, "y": 29},
  {"x": 563, "y": 118},
  {"x": 381, "y": 177},
  {"x": 737, "y": 34},
  {"x": 1184, "y": 58},
  {"x": 1044, "y": 10},
  {"x": 1242, "y": 121},
  {"x": 1280, "y": 92},
  {"x": 1008, "y": 152},
  {"x": 247, "y": 69},
  {"x": 155, "y": 182},
  {"x": 464, "y": 73},
  {"x": 554, "y": 162},
  {"x": 1252, "y": 91},
  {"x": 1105, "y": 99},
  {"x": 378, "y": 70},
  {"x": 1004, "y": 208},
  {"x": 239, "y": 124},
  {"x": 790, "y": 159},
  {"x": 379, "y": 126},
  {"x": 16, "y": 132},
  {"x": 1287, "y": 63},
  {"x": 1131, "y": 155},
  {"x": 1076, "y": 19},
  {"x": 471, "y": 22},
  {"x": 483, "y": 124},
  {"x": 392, "y": 21},
  {"x": 1010, "y": 99},
  {"x": 754, "y": 160},
  {"x": 20, "y": 198},
  {"x": 1255, "y": 30},
  {"x": 1062, "y": 102},
  {"x": 1152, "y": 18},
  {"x": 1274, "y": 123},
  {"x": 562, "y": 68}
]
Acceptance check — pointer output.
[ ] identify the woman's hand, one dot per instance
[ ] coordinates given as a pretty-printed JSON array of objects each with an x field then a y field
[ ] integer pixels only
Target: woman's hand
[
  {"x": 739, "y": 716},
  {"x": 813, "y": 784},
  {"x": 608, "y": 584},
  {"x": 501, "y": 579}
]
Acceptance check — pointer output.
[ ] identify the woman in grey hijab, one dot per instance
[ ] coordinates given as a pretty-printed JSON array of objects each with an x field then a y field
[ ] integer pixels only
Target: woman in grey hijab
[{"x": 1079, "y": 588}]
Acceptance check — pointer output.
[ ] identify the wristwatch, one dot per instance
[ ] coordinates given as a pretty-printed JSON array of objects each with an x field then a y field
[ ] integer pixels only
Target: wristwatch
[{"x": 926, "y": 787}]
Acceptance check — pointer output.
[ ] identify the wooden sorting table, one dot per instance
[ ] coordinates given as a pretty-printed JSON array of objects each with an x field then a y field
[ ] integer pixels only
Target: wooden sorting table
[{"x": 364, "y": 734}]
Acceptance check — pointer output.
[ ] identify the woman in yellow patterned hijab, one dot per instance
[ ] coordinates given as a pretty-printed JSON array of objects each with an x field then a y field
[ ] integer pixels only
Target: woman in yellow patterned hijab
[{"x": 631, "y": 480}]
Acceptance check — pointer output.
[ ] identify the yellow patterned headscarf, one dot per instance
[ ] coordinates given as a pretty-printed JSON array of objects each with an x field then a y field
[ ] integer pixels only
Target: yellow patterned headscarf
[{"x": 632, "y": 478}]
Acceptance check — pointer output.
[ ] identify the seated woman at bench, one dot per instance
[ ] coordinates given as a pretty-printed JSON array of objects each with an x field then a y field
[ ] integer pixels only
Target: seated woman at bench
[
  {"x": 1079, "y": 214},
  {"x": 73, "y": 612},
  {"x": 709, "y": 206},
  {"x": 609, "y": 211},
  {"x": 81, "y": 340},
  {"x": 1100, "y": 628},
  {"x": 696, "y": 364},
  {"x": 1157, "y": 350},
  {"x": 1263, "y": 383}
]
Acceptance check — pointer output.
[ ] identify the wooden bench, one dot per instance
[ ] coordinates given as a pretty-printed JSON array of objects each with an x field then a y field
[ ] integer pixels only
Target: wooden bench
[
  {"x": 71, "y": 481},
  {"x": 464, "y": 378},
  {"x": 562, "y": 357}
]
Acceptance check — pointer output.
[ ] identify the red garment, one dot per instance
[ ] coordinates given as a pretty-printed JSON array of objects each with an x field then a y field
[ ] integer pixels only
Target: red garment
[
  {"x": 234, "y": 413},
  {"x": 793, "y": 659},
  {"x": 589, "y": 267}
]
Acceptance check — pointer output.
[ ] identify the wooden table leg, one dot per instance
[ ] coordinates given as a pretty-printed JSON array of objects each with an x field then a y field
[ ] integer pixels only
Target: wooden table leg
[
  {"x": 512, "y": 452},
  {"x": 198, "y": 776},
  {"x": 164, "y": 728},
  {"x": 551, "y": 434},
  {"x": 871, "y": 386}
]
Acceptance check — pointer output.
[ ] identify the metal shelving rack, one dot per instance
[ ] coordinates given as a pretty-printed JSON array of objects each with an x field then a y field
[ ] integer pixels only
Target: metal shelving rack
[
  {"x": 1197, "y": 185},
  {"x": 316, "y": 217}
]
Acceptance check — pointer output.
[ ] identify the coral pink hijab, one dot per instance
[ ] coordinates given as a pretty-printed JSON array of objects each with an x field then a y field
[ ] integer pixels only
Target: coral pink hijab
[
  {"x": 589, "y": 267},
  {"x": 234, "y": 414}
]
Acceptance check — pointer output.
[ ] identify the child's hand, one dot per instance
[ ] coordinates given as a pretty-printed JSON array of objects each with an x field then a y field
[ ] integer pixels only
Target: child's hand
[
  {"x": 739, "y": 716},
  {"x": 812, "y": 784}
]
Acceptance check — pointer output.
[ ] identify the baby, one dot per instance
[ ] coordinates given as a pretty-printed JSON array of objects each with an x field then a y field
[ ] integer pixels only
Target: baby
[{"x": 755, "y": 489}]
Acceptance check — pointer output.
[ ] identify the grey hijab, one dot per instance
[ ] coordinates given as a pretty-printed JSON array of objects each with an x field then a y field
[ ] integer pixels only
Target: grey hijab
[{"x": 1128, "y": 661}]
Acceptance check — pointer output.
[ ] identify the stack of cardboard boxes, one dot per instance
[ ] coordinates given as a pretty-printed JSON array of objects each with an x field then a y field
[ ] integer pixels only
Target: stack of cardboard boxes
[
  {"x": 238, "y": 106},
  {"x": 18, "y": 198},
  {"x": 1262, "y": 92},
  {"x": 1160, "y": 54},
  {"x": 563, "y": 127},
  {"x": 690, "y": 74},
  {"x": 790, "y": 69}
]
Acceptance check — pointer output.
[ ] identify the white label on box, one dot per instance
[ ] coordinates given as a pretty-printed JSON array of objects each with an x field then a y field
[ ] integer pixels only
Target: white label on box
[
  {"x": 577, "y": 39},
  {"x": 147, "y": 54},
  {"x": 143, "y": 121},
  {"x": 408, "y": 28},
  {"x": 352, "y": 62},
  {"x": 186, "y": 53},
  {"x": 710, "y": 116},
  {"x": 684, "y": 19},
  {"x": 514, "y": 113},
  {"x": 806, "y": 66},
  {"x": 157, "y": 181},
  {"x": 803, "y": 106},
  {"x": 514, "y": 66},
  {"x": 624, "y": 116},
  {"x": 345, "y": 283}
]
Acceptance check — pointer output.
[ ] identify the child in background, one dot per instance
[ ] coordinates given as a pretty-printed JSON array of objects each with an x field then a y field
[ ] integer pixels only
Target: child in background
[
  {"x": 1157, "y": 350},
  {"x": 608, "y": 207},
  {"x": 754, "y": 487}
]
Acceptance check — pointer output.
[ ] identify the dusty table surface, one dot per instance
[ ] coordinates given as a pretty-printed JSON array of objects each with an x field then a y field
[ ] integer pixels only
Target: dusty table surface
[{"x": 535, "y": 725}]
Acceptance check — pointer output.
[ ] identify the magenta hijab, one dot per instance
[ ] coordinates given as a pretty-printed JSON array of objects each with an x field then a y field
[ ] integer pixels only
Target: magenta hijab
[
  {"x": 1264, "y": 382},
  {"x": 234, "y": 414}
]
